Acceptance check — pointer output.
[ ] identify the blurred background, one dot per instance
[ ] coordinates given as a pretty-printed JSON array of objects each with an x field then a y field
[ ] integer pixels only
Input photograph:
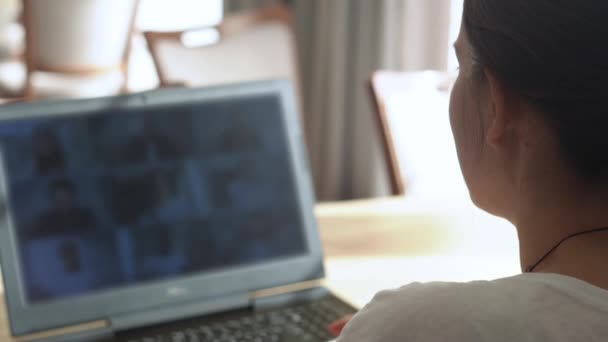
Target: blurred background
[
  {"x": 372, "y": 80},
  {"x": 330, "y": 50}
]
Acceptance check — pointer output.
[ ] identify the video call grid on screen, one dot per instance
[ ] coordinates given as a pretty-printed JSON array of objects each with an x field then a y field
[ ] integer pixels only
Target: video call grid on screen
[{"x": 107, "y": 200}]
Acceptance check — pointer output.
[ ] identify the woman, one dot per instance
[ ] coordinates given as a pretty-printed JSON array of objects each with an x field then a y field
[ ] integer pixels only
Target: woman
[{"x": 530, "y": 120}]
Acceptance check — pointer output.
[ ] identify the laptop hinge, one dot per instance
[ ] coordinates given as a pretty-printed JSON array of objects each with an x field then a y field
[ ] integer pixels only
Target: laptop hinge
[
  {"x": 179, "y": 312},
  {"x": 89, "y": 331},
  {"x": 284, "y": 296},
  {"x": 82, "y": 336}
]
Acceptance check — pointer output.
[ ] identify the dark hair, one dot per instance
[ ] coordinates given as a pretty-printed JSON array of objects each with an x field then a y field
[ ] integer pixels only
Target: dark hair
[{"x": 554, "y": 54}]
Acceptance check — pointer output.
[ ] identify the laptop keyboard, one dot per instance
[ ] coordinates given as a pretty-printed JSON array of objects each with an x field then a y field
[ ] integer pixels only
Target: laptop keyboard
[{"x": 300, "y": 322}]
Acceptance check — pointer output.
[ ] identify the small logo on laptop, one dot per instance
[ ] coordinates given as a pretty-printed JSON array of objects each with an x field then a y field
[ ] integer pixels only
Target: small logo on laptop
[{"x": 176, "y": 291}]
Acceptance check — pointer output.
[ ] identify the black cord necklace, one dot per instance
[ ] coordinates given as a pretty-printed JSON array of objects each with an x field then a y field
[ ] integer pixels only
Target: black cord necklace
[{"x": 531, "y": 268}]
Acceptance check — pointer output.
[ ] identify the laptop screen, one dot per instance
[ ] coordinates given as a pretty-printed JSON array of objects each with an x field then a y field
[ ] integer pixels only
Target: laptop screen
[{"x": 109, "y": 200}]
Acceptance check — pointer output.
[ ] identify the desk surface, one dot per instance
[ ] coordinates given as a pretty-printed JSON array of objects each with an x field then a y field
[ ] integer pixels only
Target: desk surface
[{"x": 379, "y": 244}]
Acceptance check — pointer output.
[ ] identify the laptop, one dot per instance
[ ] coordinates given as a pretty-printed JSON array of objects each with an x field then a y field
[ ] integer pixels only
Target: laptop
[{"x": 175, "y": 215}]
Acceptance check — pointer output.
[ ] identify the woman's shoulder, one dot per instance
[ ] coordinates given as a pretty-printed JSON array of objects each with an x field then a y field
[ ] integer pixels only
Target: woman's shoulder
[
  {"x": 428, "y": 308},
  {"x": 447, "y": 296},
  {"x": 464, "y": 311}
]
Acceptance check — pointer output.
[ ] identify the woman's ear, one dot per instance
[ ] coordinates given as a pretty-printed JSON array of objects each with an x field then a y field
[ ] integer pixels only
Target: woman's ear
[{"x": 501, "y": 114}]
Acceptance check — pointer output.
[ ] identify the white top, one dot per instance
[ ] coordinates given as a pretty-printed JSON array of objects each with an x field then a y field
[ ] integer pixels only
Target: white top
[{"x": 528, "y": 307}]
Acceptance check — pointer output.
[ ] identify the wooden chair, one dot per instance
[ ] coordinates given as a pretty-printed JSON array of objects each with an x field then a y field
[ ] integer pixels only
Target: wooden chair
[
  {"x": 12, "y": 70},
  {"x": 77, "y": 47},
  {"x": 252, "y": 46},
  {"x": 10, "y": 101},
  {"x": 12, "y": 79},
  {"x": 411, "y": 107},
  {"x": 5, "y": 101}
]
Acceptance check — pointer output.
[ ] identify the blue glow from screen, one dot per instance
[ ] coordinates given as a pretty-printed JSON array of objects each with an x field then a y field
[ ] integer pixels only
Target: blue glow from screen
[{"x": 108, "y": 200}]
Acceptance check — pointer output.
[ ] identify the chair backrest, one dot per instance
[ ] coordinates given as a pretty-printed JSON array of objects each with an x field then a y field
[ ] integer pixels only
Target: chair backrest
[
  {"x": 6, "y": 101},
  {"x": 252, "y": 46},
  {"x": 78, "y": 37},
  {"x": 412, "y": 113}
]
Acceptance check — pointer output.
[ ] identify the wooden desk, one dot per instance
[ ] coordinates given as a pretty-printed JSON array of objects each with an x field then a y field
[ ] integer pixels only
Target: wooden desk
[{"x": 379, "y": 244}]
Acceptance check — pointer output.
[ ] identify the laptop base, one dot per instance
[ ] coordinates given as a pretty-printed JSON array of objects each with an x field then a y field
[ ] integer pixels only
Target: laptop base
[{"x": 290, "y": 321}]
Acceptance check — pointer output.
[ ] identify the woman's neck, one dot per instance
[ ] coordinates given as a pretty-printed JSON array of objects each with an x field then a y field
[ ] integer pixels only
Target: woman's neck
[{"x": 546, "y": 217}]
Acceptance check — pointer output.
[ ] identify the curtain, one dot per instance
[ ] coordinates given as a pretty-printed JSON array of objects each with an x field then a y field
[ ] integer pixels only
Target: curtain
[
  {"x": 426, "y": 27},
  {"x": 341, "y": 42}
]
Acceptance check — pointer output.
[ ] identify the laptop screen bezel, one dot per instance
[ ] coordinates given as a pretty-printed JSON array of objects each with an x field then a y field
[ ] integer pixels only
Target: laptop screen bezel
[{"x": 27, "y": 318}]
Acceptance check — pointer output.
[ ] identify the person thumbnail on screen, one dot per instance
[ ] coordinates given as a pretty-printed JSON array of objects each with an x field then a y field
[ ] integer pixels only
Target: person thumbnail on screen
[
  {"x": 48, "y": 152},
  {"x": 65, "y": 215}
]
